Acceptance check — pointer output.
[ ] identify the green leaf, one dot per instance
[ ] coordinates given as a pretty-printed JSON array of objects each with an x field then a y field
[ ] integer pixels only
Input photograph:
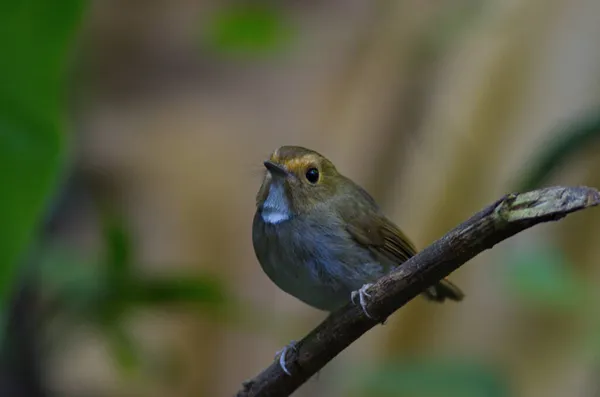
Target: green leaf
[
  {"x": 575, "y": 136},
  {"x": 34, "y": 39},
  {"x": 125, "y": 350},
  {"x": 118, "y": 247},
  {"x": 204, "y": 290},
  {"x": 71, "y": 279},
  {"x": 542, "y": 275},
  {"x": 432, "y": 378},
  {"x": 247, "y": 29}
]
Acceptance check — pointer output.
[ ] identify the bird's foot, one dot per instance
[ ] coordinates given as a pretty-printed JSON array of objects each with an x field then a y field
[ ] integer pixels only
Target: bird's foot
[
  {"x": 362, "y": 297},
  {"x": 282, "y": 354}
]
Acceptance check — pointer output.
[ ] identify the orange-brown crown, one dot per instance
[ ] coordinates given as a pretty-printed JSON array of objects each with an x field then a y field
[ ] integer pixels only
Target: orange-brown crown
[{"x": 297, "y": 159}]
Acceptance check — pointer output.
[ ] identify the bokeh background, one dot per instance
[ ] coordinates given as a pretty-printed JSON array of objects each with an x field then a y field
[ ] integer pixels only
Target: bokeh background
[{"x": 132, "y": 136}]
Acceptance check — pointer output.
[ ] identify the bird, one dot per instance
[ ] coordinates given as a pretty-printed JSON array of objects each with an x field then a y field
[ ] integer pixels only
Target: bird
[{"x": 322, "y": 238}]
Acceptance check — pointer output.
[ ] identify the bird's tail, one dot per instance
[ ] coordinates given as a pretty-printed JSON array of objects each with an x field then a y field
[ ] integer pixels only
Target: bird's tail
[{"x": 442, "y": 291}]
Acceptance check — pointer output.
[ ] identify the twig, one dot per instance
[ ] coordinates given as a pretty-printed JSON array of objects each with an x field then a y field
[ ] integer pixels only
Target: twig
[{"x": 501, "y": 220}]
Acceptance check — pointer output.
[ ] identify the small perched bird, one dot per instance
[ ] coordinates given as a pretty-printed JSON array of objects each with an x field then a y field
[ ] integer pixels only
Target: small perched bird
[{"x": 322, "y": 238}]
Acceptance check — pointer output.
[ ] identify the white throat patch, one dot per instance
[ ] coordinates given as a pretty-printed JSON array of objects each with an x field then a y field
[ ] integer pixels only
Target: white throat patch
[{"x": 276, "y": 208}]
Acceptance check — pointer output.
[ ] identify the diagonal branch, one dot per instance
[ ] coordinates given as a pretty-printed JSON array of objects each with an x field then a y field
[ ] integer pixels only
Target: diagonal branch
[{"x": 501, "y": 220}]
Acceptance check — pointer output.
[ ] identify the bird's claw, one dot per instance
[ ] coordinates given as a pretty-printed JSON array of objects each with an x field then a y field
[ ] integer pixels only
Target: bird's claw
[
  {"x": 282, "y": 354},
  {"x": 362, "y": 297}
]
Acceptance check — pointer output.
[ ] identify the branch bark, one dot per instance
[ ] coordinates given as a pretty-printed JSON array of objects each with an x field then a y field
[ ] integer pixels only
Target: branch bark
[{"x": 506, "y": 217}]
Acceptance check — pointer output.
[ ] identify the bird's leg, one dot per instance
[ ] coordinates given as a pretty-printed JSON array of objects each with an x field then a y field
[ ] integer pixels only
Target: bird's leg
[
  {"x": 282, "y": 354},
  {"x": 362, "y": 297}
]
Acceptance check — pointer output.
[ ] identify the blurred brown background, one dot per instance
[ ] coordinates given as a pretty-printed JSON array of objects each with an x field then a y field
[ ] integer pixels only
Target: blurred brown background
[{"x": 436, "y": 107}]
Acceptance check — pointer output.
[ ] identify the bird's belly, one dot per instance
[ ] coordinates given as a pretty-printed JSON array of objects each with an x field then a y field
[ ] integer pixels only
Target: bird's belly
[
  {"x": 322, "y": 274},
  {"x": 306, "y": 283}
]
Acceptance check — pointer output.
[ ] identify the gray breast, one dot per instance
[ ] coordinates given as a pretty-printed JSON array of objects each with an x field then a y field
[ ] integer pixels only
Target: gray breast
[{"x": 312, "y": 262}]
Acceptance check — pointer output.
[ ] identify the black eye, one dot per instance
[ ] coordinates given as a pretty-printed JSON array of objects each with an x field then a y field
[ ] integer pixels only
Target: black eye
[{"x": 312, "y": 175}]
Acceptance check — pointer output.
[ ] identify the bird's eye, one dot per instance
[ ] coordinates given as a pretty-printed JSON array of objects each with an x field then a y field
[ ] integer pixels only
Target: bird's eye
[{"x": 312, "y": 175}]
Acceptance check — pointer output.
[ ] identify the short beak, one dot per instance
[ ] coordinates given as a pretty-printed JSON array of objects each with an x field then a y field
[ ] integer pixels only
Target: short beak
[{"x": 275, "y": 169}]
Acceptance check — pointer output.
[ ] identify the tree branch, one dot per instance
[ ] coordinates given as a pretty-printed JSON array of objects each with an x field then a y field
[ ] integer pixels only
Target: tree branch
[{"x": 501, "y": 220}]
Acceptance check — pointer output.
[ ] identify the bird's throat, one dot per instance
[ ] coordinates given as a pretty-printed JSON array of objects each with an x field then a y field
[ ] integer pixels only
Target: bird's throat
[{"x": 276, "y": 208}]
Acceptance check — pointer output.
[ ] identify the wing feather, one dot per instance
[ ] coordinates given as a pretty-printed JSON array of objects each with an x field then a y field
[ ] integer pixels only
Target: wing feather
[{"x": 391, "y": 247}]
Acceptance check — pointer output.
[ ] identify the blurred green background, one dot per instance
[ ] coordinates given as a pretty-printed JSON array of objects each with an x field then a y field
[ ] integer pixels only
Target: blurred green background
[{"x": 132, "y": 136}]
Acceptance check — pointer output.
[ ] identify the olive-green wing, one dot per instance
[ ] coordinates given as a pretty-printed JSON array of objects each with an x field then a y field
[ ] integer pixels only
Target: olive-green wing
[
  {"x": 370, "y": 228},
  {"x": 386, "y": 240},
  {"x": 381, "y": 237}
]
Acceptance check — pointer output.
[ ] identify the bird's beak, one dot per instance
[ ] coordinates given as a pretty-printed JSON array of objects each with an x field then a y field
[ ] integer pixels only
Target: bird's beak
[{"x": 276, "y": 169}]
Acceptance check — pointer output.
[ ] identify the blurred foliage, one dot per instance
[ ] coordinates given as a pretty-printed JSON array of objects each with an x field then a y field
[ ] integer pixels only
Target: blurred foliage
[
  {"x": 73, "y": 282},
  {"x": 431, "y": 378},
  {"x": 34, "y": 37},
  {"x": 247, "y": 29},
  {"x": 577, "y": 135},
  {"x": 540, "y": 274},
  {"x": 105, "y": 291},
  {"x": 450, "y": 24},
  {"x": 125, "y": 351},
  {"x": 129, "y": 288}
]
